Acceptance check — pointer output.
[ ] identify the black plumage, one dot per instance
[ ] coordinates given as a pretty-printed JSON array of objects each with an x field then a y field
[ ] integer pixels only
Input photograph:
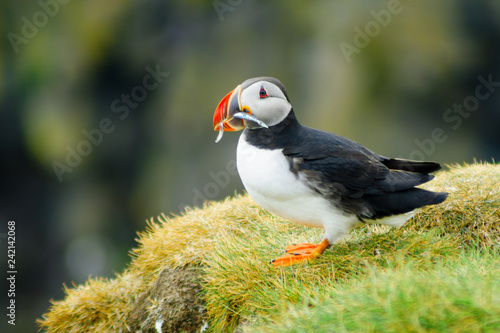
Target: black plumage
[{"x": 353, "y": 178}]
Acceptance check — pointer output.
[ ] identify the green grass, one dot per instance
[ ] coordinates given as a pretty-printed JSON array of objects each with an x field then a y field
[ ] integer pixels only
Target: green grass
[
  {"x": 461, "y": 294},
  {"x": 240, "y": 287},
  {"x": 436, "y": 273}
]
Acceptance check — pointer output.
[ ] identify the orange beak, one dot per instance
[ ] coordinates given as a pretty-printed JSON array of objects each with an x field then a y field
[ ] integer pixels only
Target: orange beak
[
  {"x": 228, "y": 106},
  {"x": 230, "y": 115}
]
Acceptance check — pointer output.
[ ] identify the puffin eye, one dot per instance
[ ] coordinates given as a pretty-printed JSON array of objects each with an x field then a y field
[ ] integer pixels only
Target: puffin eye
[{"x": 262, "y": 93}]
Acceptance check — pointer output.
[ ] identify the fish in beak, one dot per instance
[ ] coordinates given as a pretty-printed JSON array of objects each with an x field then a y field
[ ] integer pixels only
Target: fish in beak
[{"x": 230, "y": 114}]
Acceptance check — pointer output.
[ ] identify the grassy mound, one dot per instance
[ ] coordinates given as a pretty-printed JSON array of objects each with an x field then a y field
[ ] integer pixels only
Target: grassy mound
[
  {"x": 472, "y": 211},
  {"x": 227, "y": 247}
]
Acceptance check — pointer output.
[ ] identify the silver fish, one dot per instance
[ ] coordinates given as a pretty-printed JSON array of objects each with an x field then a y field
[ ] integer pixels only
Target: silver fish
[
  {"x": 221, "y": 131},
  {"x": 246, "y": 116},
  {"x": 240, "y": 115}
]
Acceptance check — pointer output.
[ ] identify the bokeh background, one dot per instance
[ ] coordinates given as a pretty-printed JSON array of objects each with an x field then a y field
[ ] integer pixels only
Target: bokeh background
[{"x": 85, "y": 61}]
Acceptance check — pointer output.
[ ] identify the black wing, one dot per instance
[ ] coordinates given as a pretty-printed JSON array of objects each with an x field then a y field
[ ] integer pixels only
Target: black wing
[{"x": 358, "y": 180}]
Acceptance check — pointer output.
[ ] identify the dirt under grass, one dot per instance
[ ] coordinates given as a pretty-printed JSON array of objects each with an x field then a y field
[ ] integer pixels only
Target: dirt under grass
[{"x": 226, "y": 248}]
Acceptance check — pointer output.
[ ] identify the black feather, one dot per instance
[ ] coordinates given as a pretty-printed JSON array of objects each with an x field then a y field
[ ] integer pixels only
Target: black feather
[
  {"x": 352, "y": 177},
  {"x": 413, "y": 166},
  {"x": 400, "y": 202}
]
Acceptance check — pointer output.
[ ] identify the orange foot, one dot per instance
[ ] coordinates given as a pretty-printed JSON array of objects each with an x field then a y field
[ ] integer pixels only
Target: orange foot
[{"x": 301, "y": 253}]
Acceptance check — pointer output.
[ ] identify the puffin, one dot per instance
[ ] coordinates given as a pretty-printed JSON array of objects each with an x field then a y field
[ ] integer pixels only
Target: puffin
[{"x": 313, "y": 177}]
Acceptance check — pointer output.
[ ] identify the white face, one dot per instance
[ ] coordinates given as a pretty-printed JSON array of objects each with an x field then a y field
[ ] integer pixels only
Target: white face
[{"x": 266, "y": 102}]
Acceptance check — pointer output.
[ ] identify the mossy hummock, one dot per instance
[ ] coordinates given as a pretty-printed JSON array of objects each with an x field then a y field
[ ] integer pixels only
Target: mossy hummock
[{"x": 226, "y": 248}]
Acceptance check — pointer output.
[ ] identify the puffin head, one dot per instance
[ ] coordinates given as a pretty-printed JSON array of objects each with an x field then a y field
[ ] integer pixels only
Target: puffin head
[{"x": 256, "y": 103}]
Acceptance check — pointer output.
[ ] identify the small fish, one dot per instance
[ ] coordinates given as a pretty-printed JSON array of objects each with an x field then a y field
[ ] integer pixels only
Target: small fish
[
  {"x": 243, "y": 116},
  {"x": 221, "y": 131},
  {"x": 246, "y": 116}
]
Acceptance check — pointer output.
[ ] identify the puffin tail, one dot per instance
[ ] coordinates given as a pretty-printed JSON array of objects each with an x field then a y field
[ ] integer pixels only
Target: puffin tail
[
  {"x": 412, "y": 166},
  {"x": 405, "y": 201}
]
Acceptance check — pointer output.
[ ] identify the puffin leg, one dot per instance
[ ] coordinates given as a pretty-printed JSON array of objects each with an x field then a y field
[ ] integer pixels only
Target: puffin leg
[
  {"x": 300, "y": 247},
  {"x": 301, "y": 253}
]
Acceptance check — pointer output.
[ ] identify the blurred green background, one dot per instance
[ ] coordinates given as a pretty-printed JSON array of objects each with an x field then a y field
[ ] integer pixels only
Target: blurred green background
[{"x": 386, "y": 74}]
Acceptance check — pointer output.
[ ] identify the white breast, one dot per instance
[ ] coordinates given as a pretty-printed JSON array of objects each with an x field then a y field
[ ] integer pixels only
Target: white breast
[{"x": 268, "y": 179}]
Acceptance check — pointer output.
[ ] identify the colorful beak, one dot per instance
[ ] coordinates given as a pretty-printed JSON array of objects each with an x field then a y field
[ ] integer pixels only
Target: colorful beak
[{"x": 227, "y": 108}]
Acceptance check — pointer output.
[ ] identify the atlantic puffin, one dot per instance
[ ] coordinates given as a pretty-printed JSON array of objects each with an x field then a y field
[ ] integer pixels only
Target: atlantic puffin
[{"x": 313, "y": 177}]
